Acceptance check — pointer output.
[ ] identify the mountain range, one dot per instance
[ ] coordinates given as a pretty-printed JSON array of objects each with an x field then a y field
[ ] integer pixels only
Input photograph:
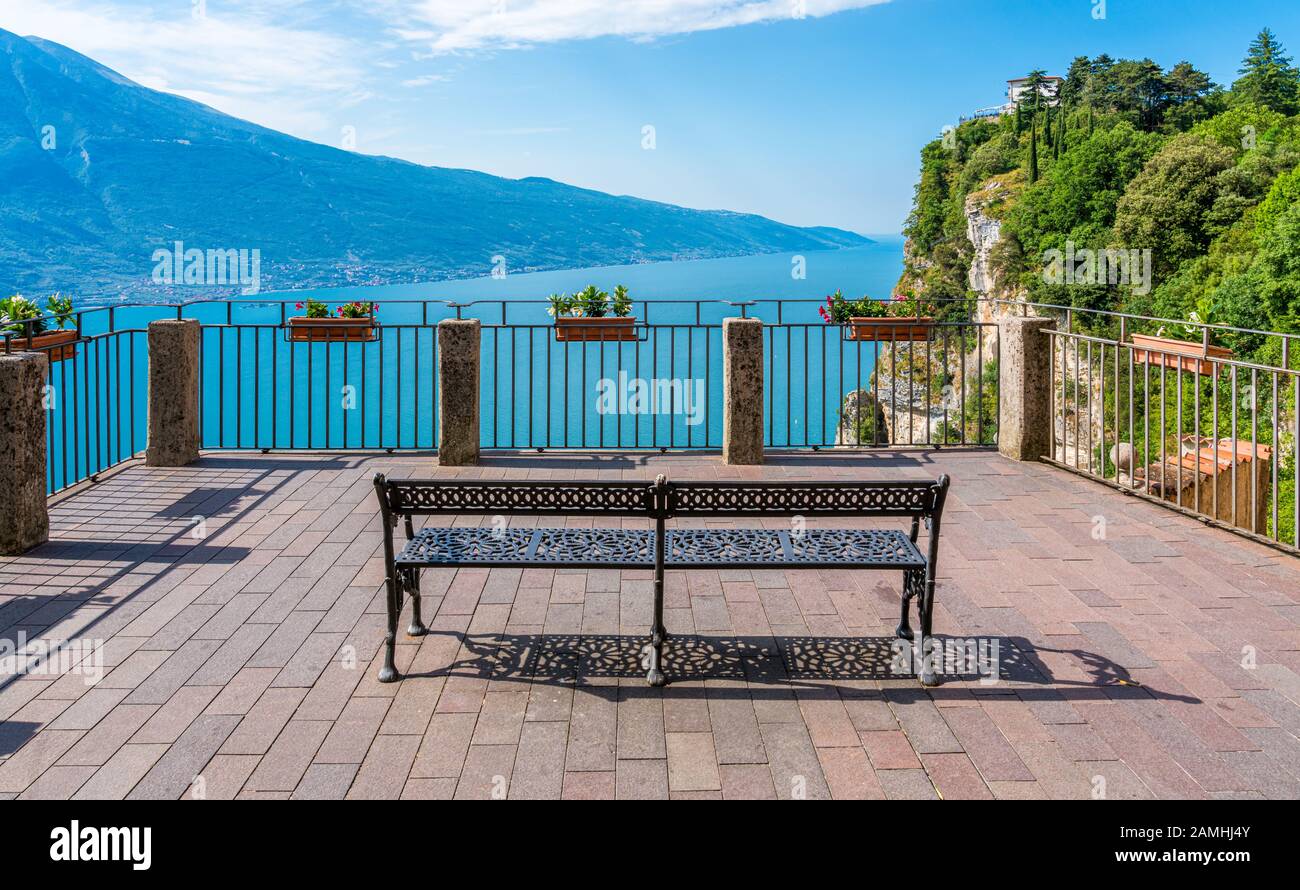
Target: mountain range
[{"x": 98, "y": 172}]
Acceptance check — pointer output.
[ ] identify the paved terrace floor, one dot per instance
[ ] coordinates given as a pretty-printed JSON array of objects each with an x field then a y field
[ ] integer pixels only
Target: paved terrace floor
[{"x": 1159, "y": 659}]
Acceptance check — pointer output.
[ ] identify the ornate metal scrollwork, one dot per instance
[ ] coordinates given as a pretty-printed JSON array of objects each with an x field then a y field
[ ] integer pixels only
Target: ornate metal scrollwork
[
  {"x": 520, "y": 497},
  {"x": 789, "y": 498}
]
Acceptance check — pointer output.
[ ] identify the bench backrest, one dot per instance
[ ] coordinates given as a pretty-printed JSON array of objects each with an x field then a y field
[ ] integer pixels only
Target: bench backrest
[{"x": 662, "y": 499}]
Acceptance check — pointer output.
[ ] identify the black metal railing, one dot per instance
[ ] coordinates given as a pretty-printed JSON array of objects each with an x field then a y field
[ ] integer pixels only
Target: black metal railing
[
  {"x": 262, "y": 387},
  {"x": 1189, "y": 423},
  {"x": 94, "y": 399}
]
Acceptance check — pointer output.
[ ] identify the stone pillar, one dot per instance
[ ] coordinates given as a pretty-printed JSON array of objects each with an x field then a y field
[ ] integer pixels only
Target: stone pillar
[
  {"x": 173, "y": 393},
  {"x": 742, "y": 391},
  {"x": 24, "y": 519},
  {"x": 458, "y": 391},
  {"x": 1025, "y": 388}
]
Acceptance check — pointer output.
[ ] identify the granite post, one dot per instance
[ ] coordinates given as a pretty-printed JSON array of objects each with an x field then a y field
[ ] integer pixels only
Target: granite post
[
  {"x": 1025, "y": 387},
  {"x": 742, "y": 391},
  {"x": 458, "y": 391},
  {"x": 173, "y": 393},
  {"x": 24, "y": 519}
]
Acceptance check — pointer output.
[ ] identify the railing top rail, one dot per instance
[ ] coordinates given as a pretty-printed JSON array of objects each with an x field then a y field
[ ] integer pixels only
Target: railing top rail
[
  {"x": 1199, "y": 356},
  {"x": 459, "y": 306}
]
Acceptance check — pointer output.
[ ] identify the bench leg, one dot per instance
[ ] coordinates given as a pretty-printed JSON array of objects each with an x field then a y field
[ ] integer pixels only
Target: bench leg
[
  {"x": 913, "y": 584},
  {"x": 929, "y": 655},
  {"x": 654, "y": 657},
  {"x": 417, "y": 628},
  {"x": 388, "y": 673}
]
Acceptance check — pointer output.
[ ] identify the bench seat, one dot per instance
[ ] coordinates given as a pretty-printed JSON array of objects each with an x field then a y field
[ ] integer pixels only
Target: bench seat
[{"x": 684, "y": 548}]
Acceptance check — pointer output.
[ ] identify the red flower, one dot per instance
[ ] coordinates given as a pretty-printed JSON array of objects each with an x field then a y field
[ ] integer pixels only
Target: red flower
[{"x": 300, "y": 305}]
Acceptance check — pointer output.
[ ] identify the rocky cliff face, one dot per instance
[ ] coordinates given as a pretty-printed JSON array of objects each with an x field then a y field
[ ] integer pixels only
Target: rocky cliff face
[
  {"x": 1075, "y": 428},
  {"x": 984, "y": 232}
]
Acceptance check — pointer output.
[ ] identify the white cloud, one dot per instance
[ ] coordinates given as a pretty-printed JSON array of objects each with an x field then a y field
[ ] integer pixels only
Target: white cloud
[
  {"x": 425, "y": 79},
  {"x": 238, "y": 58},
  {"x": 450, "y": 25}
]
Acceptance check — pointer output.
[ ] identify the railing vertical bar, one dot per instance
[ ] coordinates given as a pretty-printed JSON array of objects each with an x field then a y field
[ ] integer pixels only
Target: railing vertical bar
[
  {"x": 221, "y": 387},
  {"x": 1234, "y": 446},
  {"x": 807, "y": 411},
  {"x": 550, "y": 385},
  {"x": 239, "y": 387},
  {"x": 415, "y": 391},
  {"x": 1178, "y": 429},
  {"x": 1214, "y": 440},
  {"x": 1075, "y": 375},
  {"x": 514, "y": 385},
  {"x": 131, "y": 359},
  {"x": 1254, "y": 449},
  {"x": 1273, "y": 438}
]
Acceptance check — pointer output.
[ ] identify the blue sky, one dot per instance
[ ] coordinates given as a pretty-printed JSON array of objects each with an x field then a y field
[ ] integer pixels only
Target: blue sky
[{"x": 807, "y": 111}]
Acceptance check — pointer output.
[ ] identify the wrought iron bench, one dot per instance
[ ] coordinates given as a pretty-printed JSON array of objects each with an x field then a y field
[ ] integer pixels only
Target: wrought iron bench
[{"x": 660, "y": 548}]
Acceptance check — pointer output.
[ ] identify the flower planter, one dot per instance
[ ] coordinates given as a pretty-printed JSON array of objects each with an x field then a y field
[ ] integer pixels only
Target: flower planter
[
  {"x": 327, "y": 330},
  {"x": 902, "y": 329},
  {"x": 1193, "y": 357},
  {"x": 52, "y": 343},
  {"x": 611, "y": 328}
]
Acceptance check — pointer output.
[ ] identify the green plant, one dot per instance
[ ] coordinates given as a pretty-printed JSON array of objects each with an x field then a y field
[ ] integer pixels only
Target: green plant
[
  {"x": 839, "y": 309},
  {"x": 19, "y": 315},
  {"x": 61, "y": 308},
  {"x": 622, "y": 303},
  {"x": 562, "y": 306},
  {"x": 908, "y": 305},
  {"x": 357, "y": 309},
  {"x": 315, "y": 308},
  {"x": 591, "y": 302}
]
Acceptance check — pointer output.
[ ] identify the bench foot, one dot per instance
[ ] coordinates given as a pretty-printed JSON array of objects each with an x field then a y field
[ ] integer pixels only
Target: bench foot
[
  {"x": 929, "y": 677},
  {"x": 655, "y": 677},
  {"x": 388, "y": 673},
  {"x": 417, "y": 629},
  {"x": 903, "y": 631}
]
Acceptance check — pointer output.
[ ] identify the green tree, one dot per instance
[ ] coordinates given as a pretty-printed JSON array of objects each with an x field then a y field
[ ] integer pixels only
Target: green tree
[
  {"x": 1033, "y": 151},
  {"x": 1166, "y": 207},
  {"x": 1267, "y": 76}
]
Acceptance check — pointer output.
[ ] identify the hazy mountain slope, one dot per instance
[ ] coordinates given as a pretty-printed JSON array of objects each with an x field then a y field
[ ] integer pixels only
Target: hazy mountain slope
[{"x": 133, "y": 170}]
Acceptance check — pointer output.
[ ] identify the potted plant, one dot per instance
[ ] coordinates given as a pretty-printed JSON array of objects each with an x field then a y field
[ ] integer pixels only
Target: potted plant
[
  {"x": 592, "y": 314},
  {"x": 28, "y": 328},
  {"x": 1190, "y": 349},
  {"x": 353, "y": 323},
  {"x": 904, "y": 318}
]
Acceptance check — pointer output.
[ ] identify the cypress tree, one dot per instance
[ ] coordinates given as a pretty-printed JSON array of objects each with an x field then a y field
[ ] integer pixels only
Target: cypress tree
[{"x": 1033, "y": 151}]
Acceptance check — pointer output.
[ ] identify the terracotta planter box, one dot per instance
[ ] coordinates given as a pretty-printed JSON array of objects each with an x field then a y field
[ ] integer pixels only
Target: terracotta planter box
[
  {"x": 609, "y": 328},
  {"x": 1186, "y": 356},
  {"x": 903, "y": 329},
  {"x": 51, "y": 343},
  {"x": 328, "y": 330}
]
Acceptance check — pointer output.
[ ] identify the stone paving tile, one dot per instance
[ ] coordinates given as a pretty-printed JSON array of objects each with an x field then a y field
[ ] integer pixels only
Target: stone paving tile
[
  {"x": 57, "y": 783},
  {"x": 263, "y": 722},
  {"x": 244, "y": 666},
  {"x": 641, "y": 780},
  {"x": 692, "y": 762},
  {"x": 539, "y": 762},
  {"x": 383, "y": 772},
  {"x": 289, "y": 756},
  {"x": 116, "y": 778},
  {"x": 486, "y": 774}
]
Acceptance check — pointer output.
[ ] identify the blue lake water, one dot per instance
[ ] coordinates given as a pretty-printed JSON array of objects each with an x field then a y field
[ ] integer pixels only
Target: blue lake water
[{"x": 259, "y": 390}]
